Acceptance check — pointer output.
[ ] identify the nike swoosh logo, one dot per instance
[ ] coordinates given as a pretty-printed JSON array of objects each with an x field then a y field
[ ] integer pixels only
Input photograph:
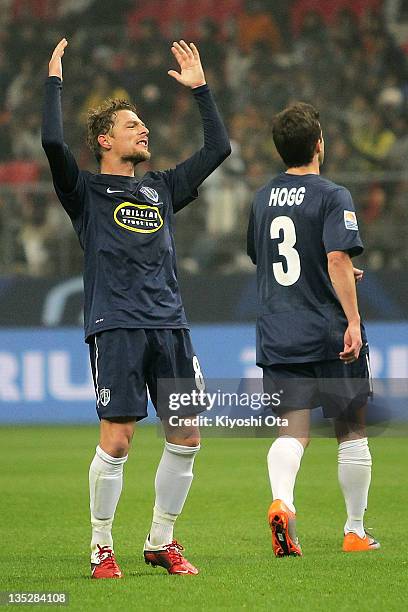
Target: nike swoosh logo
[{"x": 109, "y": 190}]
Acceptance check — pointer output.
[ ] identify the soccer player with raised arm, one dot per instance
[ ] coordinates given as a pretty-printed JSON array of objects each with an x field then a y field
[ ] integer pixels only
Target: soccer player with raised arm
[
  {"x": 311, "y": 343},
  {"x": 134, "y": 318}
]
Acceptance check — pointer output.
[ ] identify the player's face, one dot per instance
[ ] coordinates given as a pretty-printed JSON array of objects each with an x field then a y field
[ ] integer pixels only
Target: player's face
[{"x": 129, "y": 137}]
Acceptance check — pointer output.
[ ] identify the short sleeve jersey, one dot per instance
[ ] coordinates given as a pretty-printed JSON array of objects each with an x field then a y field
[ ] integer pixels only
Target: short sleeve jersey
[{"x": 295, "y": 221}]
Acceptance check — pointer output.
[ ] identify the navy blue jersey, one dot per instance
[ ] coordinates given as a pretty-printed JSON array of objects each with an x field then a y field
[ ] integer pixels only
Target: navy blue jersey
[
  {"x": 125, "y": 225},
  {"x": 294, "y": 222}
]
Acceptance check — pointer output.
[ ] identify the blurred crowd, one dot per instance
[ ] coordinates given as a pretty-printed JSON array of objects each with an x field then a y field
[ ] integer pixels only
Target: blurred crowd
[{"x": 348, "y": 58}]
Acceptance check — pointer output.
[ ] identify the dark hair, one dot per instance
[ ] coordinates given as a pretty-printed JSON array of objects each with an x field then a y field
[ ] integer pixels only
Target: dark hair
[
  {"x": 102, "y": 119},
  {"x": 296, "y": 131}
]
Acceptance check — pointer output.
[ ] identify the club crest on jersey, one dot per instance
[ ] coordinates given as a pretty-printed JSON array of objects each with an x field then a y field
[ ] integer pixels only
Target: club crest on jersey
[
  {"x": 104, "y": 397},
  {"x": 139, "y": 218},
  {"x": 350, "y": 220},
  {"x": 150, "y": 193}
]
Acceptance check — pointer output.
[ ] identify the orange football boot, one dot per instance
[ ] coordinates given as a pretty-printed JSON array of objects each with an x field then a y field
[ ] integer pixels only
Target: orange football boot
[
  {"x": 353, "y": 543},
  {"x": 283, "y": 526},
  {"x": 107, "y": 566},
  {"x": 171, "y": 559}
]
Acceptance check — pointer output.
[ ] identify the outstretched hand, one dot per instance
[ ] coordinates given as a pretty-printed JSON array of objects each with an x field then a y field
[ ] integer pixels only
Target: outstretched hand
[
  {"x": 55, "y": 64},
  {"x": 188, "y": 58}
]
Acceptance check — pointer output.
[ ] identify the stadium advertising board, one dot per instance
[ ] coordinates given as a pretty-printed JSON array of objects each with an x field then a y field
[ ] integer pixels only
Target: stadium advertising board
[
  {"x": 45, "y": 374},
  {"x": 232, "y": 297}
]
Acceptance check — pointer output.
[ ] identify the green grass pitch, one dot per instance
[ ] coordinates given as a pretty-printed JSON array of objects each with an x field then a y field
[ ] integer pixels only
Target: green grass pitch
[{"x": 45, "y": 532}]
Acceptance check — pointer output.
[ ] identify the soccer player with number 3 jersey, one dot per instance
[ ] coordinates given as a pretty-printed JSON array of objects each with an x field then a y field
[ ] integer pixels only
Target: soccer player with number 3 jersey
[
  {"x": 134, "y": 318},
  {"x": 311, "y": 343}
]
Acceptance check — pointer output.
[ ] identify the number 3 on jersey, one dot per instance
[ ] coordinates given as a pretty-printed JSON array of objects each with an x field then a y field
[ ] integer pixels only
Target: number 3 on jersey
[{"x": 286, "y": 250}]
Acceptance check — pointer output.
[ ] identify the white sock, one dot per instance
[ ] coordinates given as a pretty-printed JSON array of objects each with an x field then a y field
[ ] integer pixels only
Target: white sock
[
  {"x": 173, "y": 480},
  {"x": 105, "y": 487},
  {"x": 284, "y": 459},
  {"x": 354, "y": 478}
]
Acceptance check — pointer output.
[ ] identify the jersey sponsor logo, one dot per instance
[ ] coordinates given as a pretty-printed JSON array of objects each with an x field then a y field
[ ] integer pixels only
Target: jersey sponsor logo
[
  {"x": 109, "y": 190},
  {"x": 139, "y": 218},
  {"x": 350, "y": 220},
  {"x": 104, "y": 397},
  {"x": 281, "y": 196},
  {"x": 150, "y": 193}
]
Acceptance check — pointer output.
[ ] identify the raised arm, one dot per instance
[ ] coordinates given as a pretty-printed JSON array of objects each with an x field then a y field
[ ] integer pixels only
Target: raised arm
[
  {"x": 189, "y": 175},
  {"x": 64, "y": 168}
]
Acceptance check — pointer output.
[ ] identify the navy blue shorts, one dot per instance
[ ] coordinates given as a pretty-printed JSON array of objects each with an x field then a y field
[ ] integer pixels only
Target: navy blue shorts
[
  {"x": 127, "y": 362},
  {"x": 336, "y": 387}
]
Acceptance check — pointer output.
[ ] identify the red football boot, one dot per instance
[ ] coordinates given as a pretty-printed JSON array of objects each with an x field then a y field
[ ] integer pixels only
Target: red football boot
[
  {"x": 170, "y": 558},
  {"x": 107, "y": 566}
]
